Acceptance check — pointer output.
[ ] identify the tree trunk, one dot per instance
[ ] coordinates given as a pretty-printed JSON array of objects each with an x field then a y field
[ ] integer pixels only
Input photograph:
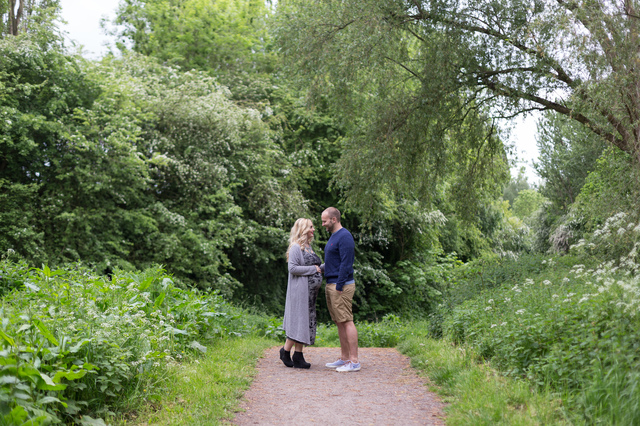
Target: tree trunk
[{"x": 15, "y": 18}]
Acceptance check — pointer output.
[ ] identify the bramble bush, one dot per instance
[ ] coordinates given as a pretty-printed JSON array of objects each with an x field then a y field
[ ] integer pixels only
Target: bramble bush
[
  {"x": 76, "y": 347},
  {"x": 571, "y": 324}
]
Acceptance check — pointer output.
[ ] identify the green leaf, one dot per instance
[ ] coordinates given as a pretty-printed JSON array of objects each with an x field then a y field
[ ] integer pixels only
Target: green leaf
[
  {"x": 79, "y": 345},
  {"x": 198, "y": 346},
  {"x": 47, "y": 379},
  {"x": 89, "y": 421},
  {"x": 69, "y": 375},
  {"x": 146, "y": 283},
  {"x": 7, "y": 338},
  {"x": 45, "y": 332},
  {"x": 22, "y": 396},
  {"x": 174, "y": 330},
  {"x": 8, "y": 380},
  {"x": 159, "y": 300},
  {"x": 48, "y": 400},
  {"x": 46, "y": 387},
  {"x": 89, "y": 367},
  {"x": 16, "y": 416}
]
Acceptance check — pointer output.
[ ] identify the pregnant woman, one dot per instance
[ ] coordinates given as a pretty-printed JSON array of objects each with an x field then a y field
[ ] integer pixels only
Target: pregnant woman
[{"x": 305, "y": 279}]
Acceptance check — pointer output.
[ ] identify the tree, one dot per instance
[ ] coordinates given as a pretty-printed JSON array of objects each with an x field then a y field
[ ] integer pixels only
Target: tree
[
  {"x": 568, "y": 153},
  {"x": 527, "y": 202},
  {"x": 575, "y": 57},
  {"x": 410, "y": 131},
  {"x": 224, "y": 36},
  {"x": 515, "y": 186},
  {"x": 19, "y": 16},
  {"x": 127, "y": 163}
]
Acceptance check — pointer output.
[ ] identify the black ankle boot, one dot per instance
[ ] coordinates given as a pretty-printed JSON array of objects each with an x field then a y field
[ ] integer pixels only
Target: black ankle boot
[
  {"x": 298, "y": 361},
  {"x": 285, "y": 356}
]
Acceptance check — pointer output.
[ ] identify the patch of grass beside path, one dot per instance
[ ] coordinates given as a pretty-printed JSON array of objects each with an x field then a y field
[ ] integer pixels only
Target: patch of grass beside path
[
  {"x": 207, "y": 390},
  {"x": 474, "y": 392}
]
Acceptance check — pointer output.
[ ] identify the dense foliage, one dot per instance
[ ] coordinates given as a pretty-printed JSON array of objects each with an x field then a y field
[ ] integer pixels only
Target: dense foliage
[
  {"x": 76, "y": 346},
  {"x": 128, "y": 163},
  {"x": 569, "y": 323},
  {"x": 222, "y": 122}
]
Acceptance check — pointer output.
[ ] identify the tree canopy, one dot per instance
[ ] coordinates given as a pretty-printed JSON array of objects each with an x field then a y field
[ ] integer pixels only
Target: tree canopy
[
  {"x": 577, "y": 58},
  {"x": 411, "y": 131}
]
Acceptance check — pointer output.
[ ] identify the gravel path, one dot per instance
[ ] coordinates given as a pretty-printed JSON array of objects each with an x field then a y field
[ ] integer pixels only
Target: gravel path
[{"x": 387, "y": 391}]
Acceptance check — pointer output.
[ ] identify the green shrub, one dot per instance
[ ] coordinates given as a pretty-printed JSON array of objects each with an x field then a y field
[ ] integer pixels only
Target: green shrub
[
  {"x": 568, "y": 322},
  {"x": 75, "y": 345}
]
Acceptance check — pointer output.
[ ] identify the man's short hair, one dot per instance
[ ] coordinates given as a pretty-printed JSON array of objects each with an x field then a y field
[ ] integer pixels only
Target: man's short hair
[{"x": 333, "y": 212}]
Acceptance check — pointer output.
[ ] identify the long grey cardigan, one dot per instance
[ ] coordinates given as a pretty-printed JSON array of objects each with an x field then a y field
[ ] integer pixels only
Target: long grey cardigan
[{"x": 296, "y": 308}]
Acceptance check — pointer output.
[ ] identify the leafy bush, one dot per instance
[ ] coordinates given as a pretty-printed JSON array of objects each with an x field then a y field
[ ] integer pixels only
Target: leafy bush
[
  {"x": 570, "y": 323},
  {"x": 75, "y": 345}
]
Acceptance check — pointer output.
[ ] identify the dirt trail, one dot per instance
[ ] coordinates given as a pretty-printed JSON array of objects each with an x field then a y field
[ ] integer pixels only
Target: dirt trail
[{"x": 387, "y": 391}]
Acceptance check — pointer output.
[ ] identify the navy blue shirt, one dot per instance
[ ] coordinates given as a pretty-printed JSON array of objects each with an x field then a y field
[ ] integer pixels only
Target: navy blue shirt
[{"x": 338, "y": 258}]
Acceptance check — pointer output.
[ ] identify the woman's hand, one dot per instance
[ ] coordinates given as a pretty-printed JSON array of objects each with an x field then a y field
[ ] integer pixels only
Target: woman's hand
[{"x": 318, "y": 269}]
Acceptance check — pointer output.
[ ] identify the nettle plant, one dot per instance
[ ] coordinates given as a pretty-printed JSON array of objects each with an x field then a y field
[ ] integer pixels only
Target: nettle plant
[{"x": 74, "y": 344}]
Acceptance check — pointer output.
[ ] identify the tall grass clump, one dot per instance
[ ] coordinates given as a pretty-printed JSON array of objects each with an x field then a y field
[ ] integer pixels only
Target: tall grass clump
[
  {"x": 76, "y": 347},
  {"x": 573, "y": 325}
]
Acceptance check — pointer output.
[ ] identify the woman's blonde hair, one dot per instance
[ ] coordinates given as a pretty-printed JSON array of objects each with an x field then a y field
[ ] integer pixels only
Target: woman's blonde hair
[{"x": 298, "y": 234}]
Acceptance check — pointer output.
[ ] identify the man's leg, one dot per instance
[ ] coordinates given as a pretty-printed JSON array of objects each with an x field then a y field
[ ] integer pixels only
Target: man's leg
[
  {"x": 344, "y": 342},
  {"x": 351, "y": 336}
]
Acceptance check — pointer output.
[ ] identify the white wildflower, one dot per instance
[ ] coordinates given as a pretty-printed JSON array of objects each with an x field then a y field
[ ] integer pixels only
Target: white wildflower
[
  {"x": 490, "y": 301},
  {"x": 546, "y": 282},
  {"x": 554, "y": 296},
  {"x": 520, "y": 311},
  {"x": 494, "y": 325},
  {"x": 488, "y": 308}
]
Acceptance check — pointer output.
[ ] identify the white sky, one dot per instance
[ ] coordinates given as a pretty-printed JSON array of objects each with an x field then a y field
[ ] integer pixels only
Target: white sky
[
  {"x": 523, "y": 135},
  {"x": 83, "y": 28},
  {"x": 83, "y": 24}
]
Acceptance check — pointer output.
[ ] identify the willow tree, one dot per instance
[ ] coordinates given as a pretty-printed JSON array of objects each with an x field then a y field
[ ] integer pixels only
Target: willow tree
[
  {"x": 578, "y": 58},
  {"x": 414, "y": 131}
]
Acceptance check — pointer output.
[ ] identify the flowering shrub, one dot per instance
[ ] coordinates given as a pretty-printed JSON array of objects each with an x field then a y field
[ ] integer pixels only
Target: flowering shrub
[
  {"x": 574, "y": 325},
  {"x": 75, "y": 345}
]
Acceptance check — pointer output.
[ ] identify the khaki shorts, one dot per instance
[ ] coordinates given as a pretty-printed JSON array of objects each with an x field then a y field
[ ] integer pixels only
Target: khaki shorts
[{"x": 340, "y": 304}]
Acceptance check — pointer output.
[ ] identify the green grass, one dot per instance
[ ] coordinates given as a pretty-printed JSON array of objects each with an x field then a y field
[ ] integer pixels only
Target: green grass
[
  {"x": 206, "y": 391},
  {"x": 475, "y": 393}
]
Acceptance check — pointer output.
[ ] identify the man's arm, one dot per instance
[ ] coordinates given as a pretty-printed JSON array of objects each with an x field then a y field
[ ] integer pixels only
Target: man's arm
[{"x": 347, "y": 254}]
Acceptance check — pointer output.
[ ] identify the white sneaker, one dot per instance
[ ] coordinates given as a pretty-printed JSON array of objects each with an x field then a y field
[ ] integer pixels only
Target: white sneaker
[
  {"x": 336, "y": 364},
  {"x": 349, "y": 366}
]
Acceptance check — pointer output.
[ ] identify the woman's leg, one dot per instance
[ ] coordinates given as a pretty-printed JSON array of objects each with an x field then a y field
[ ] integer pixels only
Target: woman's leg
[
  {"x": 285, "y": 353},
  {"x": 288, "y": 344}
]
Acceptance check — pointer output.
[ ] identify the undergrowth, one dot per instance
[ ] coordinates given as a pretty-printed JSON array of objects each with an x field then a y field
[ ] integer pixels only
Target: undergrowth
[{"x": 79, "y": 348}]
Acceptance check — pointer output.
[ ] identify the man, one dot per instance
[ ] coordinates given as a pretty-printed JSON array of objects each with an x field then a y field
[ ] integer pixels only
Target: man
[{"x": 338, "y": 270}]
